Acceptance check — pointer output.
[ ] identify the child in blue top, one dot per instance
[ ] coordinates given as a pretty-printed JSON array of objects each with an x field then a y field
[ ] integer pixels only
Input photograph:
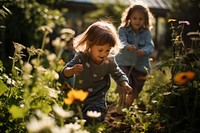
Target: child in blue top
[
  {"x": 67, "y": 55},
  {"x": 133, "y": 59},
  {"x": 93, "y": 65}
]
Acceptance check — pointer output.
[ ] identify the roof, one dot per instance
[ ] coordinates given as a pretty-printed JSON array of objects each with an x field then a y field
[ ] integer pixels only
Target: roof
[
  {"x": 154, "y": 4},
  {"x": 159, "y": 4}
]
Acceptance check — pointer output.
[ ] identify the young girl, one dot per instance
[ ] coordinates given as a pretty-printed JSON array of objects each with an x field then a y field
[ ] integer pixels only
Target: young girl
[
  {"x": 68, "y": 54},
  {"x": 133, "y": 59},
  {"x": 93, "y": 64}
]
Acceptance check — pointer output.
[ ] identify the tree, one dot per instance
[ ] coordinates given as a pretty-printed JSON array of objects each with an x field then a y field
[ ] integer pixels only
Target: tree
[{"x": 25, "y": 18}]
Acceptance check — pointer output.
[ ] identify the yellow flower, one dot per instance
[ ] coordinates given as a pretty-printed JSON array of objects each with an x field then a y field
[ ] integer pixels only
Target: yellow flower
[
  {"x": 75, "y": 95},
  {"x": 180, "y": 78},
  {"x": 171, "y": 20}
]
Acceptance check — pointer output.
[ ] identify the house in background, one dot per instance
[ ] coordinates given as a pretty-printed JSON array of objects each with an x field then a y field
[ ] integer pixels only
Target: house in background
[{"x": 78, "y": 8}]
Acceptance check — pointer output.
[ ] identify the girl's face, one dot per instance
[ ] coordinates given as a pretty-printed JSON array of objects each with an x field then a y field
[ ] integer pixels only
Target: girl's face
[
  {"x": 137, "y": 20},
  {"x": 99, "y": 53}
]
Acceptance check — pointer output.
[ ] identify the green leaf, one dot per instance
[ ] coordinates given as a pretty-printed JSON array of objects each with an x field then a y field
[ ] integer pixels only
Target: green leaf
[
  {"x": 17, "y": 112},
  {"x": 3, "y": 87},
  {"x": 45, "y": 107}
]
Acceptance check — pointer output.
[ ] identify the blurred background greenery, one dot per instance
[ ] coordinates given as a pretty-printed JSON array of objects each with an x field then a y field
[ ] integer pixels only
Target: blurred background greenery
[
  {"x": 161, "y": 107},
  {"x": 20, "y": 20}
]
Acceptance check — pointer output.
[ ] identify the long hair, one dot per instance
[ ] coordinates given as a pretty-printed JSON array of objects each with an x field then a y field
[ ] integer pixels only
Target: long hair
[
  {"x": 149, "y": 18},
  {"x": 98, "y": 33}
]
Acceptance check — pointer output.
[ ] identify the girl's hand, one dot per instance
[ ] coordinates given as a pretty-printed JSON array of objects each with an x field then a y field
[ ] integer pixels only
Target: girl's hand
[
  {"x": 131, "y": 48},
  {"x": 127, "y": 87},
  {"x": 129, "y": 100},
  {"x": 140, "y": 52},
  {"x": 129, "y": 94},
  {"x": 77, "y": 68}
]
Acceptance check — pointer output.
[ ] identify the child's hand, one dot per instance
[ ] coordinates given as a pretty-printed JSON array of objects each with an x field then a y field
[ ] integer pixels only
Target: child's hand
[
  {"x": 131, "y": 48},
  {"x": 140, "y": 52},
  {"x": 129, "y": 100},
  {"x": 129, "y": 94},
  {"x": 77, "y": 68},
  {"x": 127, "y": 87}
]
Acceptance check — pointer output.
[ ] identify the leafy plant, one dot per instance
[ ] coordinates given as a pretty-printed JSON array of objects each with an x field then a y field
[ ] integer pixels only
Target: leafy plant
[
  {"x": 170, "y": 99},
  {"x": 179, "y": 104},
  {"x": 32, "y": 99}
]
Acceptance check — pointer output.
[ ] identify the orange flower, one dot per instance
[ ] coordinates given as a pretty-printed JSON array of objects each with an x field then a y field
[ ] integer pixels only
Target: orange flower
[
  {"x": 70, "y": 97},
  {"x": 180, "y": 78},
  {"x": 190, "y": 75},
  {"x": 68, "y": 101},
  {"x": 75, "y": 95},
  {"x": 81, "y": 95}
]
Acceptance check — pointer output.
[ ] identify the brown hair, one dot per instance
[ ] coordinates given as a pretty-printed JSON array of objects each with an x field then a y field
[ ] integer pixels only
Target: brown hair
[
  {"x": 125, "y": 19},
  {"x": 98, "y": 33}
]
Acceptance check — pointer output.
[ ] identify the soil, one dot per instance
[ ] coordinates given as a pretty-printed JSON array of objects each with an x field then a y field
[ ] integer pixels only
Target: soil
[{"x": 114, "y": 120}]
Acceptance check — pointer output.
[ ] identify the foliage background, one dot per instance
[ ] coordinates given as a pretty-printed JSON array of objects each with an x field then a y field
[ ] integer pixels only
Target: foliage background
[{"x": 162, "y": 107}]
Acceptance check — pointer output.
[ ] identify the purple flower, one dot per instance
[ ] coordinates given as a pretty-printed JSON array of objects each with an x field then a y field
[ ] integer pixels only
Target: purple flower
[{"x": 184, "y": 22}]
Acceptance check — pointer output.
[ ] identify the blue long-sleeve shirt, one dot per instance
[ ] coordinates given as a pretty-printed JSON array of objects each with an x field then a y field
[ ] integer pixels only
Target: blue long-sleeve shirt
[{"x": 141, "y": 40}]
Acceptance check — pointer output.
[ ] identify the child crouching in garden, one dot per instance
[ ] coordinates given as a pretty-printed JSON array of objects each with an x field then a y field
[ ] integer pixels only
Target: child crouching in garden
[{"x": 93, "y": 64}]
